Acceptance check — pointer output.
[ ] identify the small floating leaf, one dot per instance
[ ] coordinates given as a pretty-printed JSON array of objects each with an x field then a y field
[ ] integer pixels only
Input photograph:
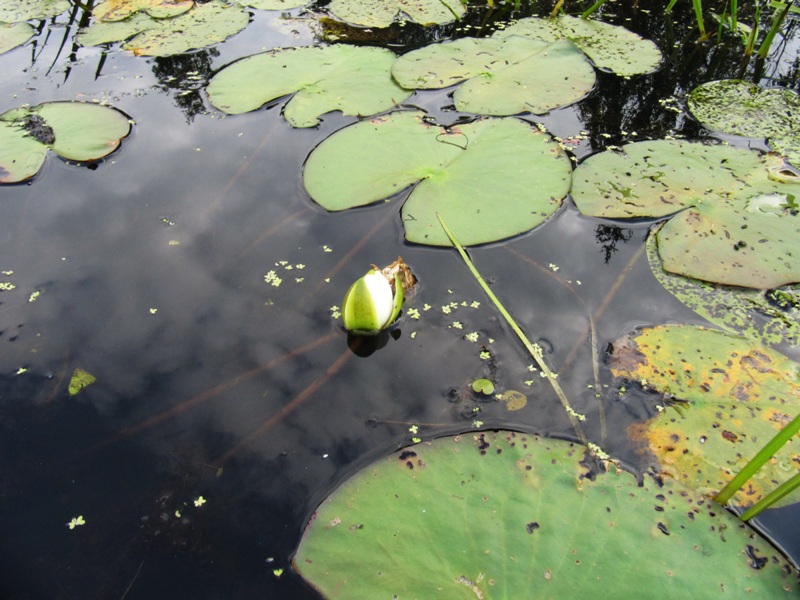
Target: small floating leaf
[
  {"x": 382, "y": 13},
  {"x": 509, "y": 515},
  {"x": 483, "y": 386},
  {"x": 610, "y": 47},
  {"x": 739, "y": 396},
  {"x": 503, "y": 76},
  {"x": 740, "y": 108},
  {"x": 80, "y": 379},
  {"x": 355, "y": 80},
  {"x": 13, "y": 35},
  {"x": 740, "y": 225},
  {"x": 117, "y": 10},
  {"x": 16, "y": 11},
  {"x": 375, "y": 159}
]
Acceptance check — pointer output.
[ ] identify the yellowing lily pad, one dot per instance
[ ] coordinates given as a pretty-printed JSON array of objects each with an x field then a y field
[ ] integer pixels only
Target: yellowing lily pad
[
  {"x": 355, "y": 80},
  {"x": 502, "y": 514},
  {"x": 382, "y": 13},
  {"x": 609, "y": 47},
  {"x": 737, "y": 221},
  {"x": 13, "y": 35},
  {"x": 739, "y": 395},
  {"x": 78, "y": 131},
  {"x": 502, "y": 76},
  {"x": 205, "y": 24},
  {"x": 117, "y": 10},
  {"x": 16, "y": 11},
  {"x": 740, "y": 108},
  {"x": 375, "y": 159}
]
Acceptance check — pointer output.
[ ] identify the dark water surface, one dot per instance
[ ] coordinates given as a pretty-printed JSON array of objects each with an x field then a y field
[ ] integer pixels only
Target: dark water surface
[{"x": 214, "y": 384}]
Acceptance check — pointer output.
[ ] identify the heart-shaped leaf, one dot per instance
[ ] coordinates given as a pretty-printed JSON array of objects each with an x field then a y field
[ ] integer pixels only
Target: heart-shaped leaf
[
  {"x": 355, "y": 80},
  {"x": 509, "y": 515},
  {"x": 505, "y": 76},
  {"x": 79, "y": 131},
  {"x": 490, "y": 179},
  {"x": 740, "y": 395},
  {"x": 13, "y": 35},
  {"x": 609, "y": 47},
  {"x": 740, "y": 225},
  {"x": 740, "y": 108},
  {"x": 382, "y": 13},
  {"x": 117, "y": 10},
  {"x": 203, "y": 25}
]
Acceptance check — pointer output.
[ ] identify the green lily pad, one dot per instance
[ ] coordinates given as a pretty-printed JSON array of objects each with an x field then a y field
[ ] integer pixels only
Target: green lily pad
[
  {"x": 503, "y": 76},
  {"x": 76, "y": 131},
  {"x": 79, "y": 380},
  {"x": 483, "y": 386},
  {"x": 382, "y": 13},
  {"x": 739, "y": 226},
  {"x": 355, "y": 80},
  {"x": 609, "y": 47},
  {"x": 375, "y": 159},
  {"x": 274, "y": 4},
  {"x": 740, "y": 395},
  {"x": 740, "y": 108},
  {"x": 202, "y": 26},
  {"x": 769, "y": 317},
  {"x": 13, "y": 35},
  {"x": 510, "y": 515},
  {"x": 16, "y": 11},
  {"x": 117, "y": 10}
]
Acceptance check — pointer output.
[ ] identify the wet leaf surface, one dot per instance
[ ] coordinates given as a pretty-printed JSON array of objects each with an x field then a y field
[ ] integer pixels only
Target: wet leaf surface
[
  {"x": 739, "y": 226},
  {"x": 739, "y": 396},
  {"x": 382, "y": 13},
  {"x": 502, "y": 76},
  {"x": 117, "y": 10},
  {"x": 354, "y": 80},
  {"x": 610, "y": 47},
  {"x": 739, "y": 108},
  {"x": 482, "y": 515},
  {"x": 15, "y": 11},
  {"x": 375, "y": 159},
  {"x": 13, "y": 35}
]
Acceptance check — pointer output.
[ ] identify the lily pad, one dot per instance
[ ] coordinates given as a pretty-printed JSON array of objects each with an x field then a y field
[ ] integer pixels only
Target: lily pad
[
  {"x": 13, "y": 35},
  {"x": 610, "y": 47},
  {"x": 202, "y": 26},
  {"x": 116, "y": 10},
  {"x": 355, "y": 80},
  {"x": 503, "y": 76},
  {"x": 739, "y": 227},
  {"x": 769, "y": 317},
  {"x": 16, "y": 11},
  {"x": 740, "y": 108},
  {"x": 274, "y": 4},
  {"x": 375, "y": 159},
  {"x": 483, "y": 516},
  {"x": 382, "y": 13},
  {"x": 76, "y": 131},
  {"x": 739, "y": 396}
]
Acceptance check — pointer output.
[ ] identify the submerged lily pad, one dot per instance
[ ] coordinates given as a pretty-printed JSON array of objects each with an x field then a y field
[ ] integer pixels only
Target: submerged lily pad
[
  {"x": 355, "y": 80},
  {"x": 740, "y": 108},
  {"x": 203, "y": 25},
  {"x": 77, "y": 131},
  {"x": 116, "y": 10},
  {"x": 16, "y": 11},
  {"x": 735, "y": 225},
  {"x": 610, "y": 47},
  {"x": 382, "y": 13},
  {"x": 13, "y": 35},
  {"x": 769, "y": 317},
  {"x": 739, "y": 396},
  {"x": 510, "y": 515},
  {"x": 375, "y": 159},
  {"x": 503, "y": 76}
]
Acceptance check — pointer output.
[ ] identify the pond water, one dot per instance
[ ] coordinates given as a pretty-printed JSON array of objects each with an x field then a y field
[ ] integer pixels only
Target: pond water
[{"x": 225, "y": 408}]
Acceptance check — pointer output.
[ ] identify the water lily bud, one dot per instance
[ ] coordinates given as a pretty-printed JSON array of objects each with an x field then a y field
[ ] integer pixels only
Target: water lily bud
[{"x": 371, "y": 304}]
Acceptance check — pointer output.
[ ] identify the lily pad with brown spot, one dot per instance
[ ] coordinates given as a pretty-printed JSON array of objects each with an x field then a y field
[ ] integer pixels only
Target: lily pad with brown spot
[
  {"x": 117, "y": 10},
  {"x": 738, "y": 395}
]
